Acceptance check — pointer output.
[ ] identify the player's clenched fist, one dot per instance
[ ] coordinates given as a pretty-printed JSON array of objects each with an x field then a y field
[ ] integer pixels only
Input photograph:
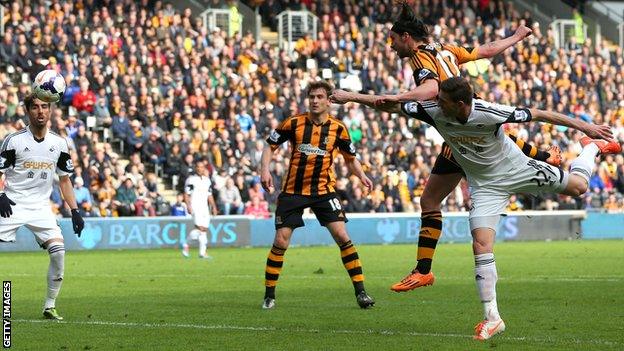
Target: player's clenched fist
[{"x": 523, "y": 31}]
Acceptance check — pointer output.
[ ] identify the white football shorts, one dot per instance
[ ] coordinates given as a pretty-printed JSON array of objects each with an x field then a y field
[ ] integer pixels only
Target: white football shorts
[
  {"x": 534, "y": 177},
  {"x": 42, "y": 222}
]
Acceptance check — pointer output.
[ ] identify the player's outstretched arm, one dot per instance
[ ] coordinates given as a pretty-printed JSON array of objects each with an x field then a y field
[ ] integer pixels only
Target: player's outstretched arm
[
  {"x": 356, "y": 168},
  {"x": 592, "y": 130},
  {"x": 342, "y": 96},
  {"x": 428, "y": 90},
  {"x": 266, "y": 179},
  {"x": 496, "y": 47},
  {"x": 67, "y": 190}
]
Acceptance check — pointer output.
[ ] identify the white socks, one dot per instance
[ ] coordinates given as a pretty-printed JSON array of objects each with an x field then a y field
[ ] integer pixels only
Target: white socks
[
  {"x": 203, "y": 243},
  {"x": 55, "y": 273},
  {"x": 583, "y": 165},
  {"x": 486, "y": 277}
]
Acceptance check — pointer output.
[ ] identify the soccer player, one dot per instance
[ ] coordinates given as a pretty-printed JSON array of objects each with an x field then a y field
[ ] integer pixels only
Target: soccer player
[
  {"x": 433, "y": 63},
  {"x": 496, "y": 168},
  {"x": 199, "y": 202},
  {"x": 28, "y": 159},
  {"x": 315, "y": 139}
]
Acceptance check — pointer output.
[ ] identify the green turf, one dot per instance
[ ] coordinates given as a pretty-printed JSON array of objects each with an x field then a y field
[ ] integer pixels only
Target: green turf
[{"x": 555, "y": 296}]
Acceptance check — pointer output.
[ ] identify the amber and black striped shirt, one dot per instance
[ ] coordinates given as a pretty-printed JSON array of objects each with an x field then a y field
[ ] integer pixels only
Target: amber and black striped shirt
[{"x": 314, "y": 147}]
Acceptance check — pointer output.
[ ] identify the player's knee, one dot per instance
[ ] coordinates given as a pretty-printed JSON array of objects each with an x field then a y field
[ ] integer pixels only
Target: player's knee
[
  {"x": 429, "y": 203},
  {"x": 57, "y": 259}
]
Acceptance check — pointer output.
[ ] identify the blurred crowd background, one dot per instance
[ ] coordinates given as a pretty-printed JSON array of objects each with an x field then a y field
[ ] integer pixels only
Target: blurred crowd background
[{"x": 151, "y": 92}]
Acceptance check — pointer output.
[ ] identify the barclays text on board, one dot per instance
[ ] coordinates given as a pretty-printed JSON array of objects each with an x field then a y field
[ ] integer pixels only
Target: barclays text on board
[{"x": 237, "y": 231}]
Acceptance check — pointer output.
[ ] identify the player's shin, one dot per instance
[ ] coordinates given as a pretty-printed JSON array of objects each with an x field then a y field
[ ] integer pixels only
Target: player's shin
[
  {"x": 486, "y": 278},
  {"x": 56, "y": 270},
  {"x": 274, "y": 264},
  {"x": 351, "y": 262},
  {"x": 430, "y": 232},
  {"x": 203, "y": 243}
]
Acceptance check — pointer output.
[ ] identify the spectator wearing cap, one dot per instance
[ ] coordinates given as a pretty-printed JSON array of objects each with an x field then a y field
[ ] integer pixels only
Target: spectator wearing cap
[
  {"x": 83, "y": 197},
  {"x": 136, "y": 138}
]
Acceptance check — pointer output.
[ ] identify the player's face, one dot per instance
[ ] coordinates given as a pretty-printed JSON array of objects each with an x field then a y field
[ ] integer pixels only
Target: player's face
[
  {"x": 449, "y": 107},
  {"x": 398, "y": 43},
  {"x": 319, "y": 103},
  {"x": 39, "y": 113},
  {"x": 200, "y": 169}
]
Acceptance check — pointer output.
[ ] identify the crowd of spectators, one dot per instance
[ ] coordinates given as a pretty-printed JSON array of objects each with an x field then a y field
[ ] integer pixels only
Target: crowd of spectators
[{"x": 151, "y": 92}]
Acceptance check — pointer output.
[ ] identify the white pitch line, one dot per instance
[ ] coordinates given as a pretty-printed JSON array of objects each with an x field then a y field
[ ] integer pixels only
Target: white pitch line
[
  {"x": 316, "y": 331},
  {"x": 341, "y": 277}
]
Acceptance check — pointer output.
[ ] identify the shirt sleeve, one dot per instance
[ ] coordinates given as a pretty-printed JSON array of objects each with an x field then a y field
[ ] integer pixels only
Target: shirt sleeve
[
  {"x": 503, "y": 113},
  {"x": 279, "y": 135},
  {"x": 7, "y": 154},
  {"x": 343, "y": 141},
  {"x": 463, "y": 54},
  {"x": 188, "y": 185},
  {"x": 64, "y": 165},
  {"x": 414, "y": 109},
  {"x": 425, "y": 68}
]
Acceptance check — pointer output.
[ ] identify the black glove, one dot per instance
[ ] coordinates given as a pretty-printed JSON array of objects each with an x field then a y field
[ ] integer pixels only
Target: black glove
[
  {"x": 77, "y": 222},
  {"x": 5, "y": 206}
]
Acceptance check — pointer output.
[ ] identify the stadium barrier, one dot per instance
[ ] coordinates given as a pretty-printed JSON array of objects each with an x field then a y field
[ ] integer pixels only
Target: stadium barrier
[{"x": 369, "y": 228}]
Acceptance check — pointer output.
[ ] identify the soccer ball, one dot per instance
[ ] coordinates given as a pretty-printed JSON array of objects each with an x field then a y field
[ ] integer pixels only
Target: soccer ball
[{"x": 49, "y": 86}]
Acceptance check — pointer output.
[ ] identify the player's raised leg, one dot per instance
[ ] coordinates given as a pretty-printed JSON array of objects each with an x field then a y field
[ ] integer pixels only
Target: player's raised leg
[
  {"x": 582, "y": 167},
  {"x": 438, "y": 187},
  {"x": 351, "y": 262}
]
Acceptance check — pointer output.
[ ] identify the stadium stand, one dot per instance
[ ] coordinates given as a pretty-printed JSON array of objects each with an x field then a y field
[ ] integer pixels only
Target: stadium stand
[{"x": 151, "y": 91}]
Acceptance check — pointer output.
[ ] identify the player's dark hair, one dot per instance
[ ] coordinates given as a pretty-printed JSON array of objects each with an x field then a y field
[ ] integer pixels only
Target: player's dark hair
[
  {"x": 29, "y": 100},
  {"x": 321, "y": 84},
  {"x": 410, "y": 24},
  {"x": 458, "y": 89}
]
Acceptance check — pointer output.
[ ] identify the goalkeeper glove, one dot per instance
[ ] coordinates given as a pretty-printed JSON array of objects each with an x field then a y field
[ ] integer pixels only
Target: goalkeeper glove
[
  {"x": 5, "y": 206},
  {"x": 77, "y": 221}
]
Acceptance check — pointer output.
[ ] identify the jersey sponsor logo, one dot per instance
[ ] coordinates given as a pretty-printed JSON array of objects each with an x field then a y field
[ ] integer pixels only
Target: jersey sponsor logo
[
  {"x": 468, "y": 139},
  {"x": 274, "y": 137},
  {"x": 310, "y": 149},
  {"x": 38, "y": 165}
]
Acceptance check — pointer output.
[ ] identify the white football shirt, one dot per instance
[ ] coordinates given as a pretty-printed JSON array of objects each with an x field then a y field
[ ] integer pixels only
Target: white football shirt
[
  {"x": 480, "y": 147},
  {"x": 198, "y": 188},
  {"x": 29, "y": 166}
]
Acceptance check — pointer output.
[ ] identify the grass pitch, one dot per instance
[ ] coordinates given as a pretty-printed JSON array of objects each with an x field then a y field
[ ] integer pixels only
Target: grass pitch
[{"x": 555, "y": 296}]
